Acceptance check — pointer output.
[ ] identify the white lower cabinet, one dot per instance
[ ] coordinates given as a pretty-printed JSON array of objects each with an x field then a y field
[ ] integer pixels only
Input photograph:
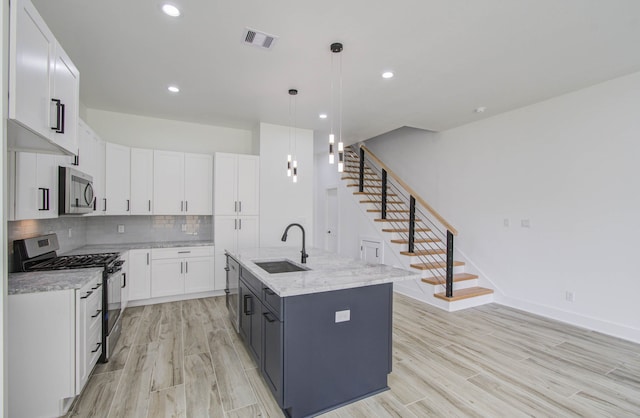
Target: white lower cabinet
[
  {"x": 139, "y": 277},
  {"x": 54, "y": 341},
  {"x": 182, "y": 270},
  {"x": 233, "y": 233}
]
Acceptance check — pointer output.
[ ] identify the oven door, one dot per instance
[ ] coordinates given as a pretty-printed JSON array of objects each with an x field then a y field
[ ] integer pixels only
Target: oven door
[{"x": 112, "y": 305}]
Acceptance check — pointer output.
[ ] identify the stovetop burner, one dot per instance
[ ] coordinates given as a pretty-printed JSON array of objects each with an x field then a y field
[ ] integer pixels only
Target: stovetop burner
[{"x": 104, "y": 260}]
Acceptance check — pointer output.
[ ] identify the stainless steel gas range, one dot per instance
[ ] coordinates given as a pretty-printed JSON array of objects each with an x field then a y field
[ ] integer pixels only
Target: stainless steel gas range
[{"x": 39, "y": 254}]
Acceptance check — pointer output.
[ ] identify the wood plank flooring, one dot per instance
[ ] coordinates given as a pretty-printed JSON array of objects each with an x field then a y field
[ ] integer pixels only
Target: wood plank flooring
[{"x": 182, "y": 359}]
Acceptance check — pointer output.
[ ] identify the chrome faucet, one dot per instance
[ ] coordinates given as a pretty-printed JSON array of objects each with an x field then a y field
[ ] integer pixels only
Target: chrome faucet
[{"x": 304, "y": 252}]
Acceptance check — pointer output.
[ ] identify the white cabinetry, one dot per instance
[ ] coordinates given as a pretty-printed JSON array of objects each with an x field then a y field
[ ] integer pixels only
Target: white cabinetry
[
  {"x": 141, "y": 181},
  {"x": 182, "y": 183},
  {"x": 236, "y": 184},
  {"x": 44, "y": 86},
  {"x": 236, "y": 207},
  {"x": 34, "y": 186},
  {"x": 182, "y": 270},
  {"x": 125, "y": 285},
  {"x": 53, "y": 344},
  {"x": 139, "y": 277},
  {"x": 117, "y": 179}
]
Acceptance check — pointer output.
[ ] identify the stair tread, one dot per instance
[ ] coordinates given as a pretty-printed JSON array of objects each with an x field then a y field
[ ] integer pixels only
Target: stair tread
[
  {"x": 373, "y": 194},
  {"x": 389, "y": 202},
  {"x": 416, "y": 241},
  {"x": 433, "y": 266},
  {"x": 376, "y": 186},
  {"x": 467, "y": 293},
  {"x": 358, "y": 178},
  {"x": 432, "y": 251},
  {"x": 459, "y": 277},
  {"x": 394, "y": 220},
  {"x": 405, "y": 230},
  {"x": 389, "y": 210}
]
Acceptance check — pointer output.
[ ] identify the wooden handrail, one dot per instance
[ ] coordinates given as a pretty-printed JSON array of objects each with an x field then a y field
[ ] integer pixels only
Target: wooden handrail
[{"x": 411, "y": 191}]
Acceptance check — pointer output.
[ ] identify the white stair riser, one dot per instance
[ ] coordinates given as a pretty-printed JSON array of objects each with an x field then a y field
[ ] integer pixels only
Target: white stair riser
[{"x": 456, "y": 286}]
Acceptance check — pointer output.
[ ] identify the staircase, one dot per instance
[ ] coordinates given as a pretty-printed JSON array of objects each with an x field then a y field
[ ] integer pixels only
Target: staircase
[{"x": 422, "y": 238}]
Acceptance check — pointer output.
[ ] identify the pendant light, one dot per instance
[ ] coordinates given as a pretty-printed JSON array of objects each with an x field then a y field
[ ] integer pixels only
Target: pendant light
[
  {"x": 292, "y": 162},
  {"x": 336, "y": 48}
]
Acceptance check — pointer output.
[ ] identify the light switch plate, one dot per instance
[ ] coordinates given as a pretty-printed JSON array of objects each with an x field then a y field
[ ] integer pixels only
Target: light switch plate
[
  {"x": 120, "y": 229},
  {"x": 343, "y": 316}
]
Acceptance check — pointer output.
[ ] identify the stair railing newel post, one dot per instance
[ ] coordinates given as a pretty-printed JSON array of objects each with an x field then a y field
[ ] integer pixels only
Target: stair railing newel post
[
  {"x": 449, "y": 289},
  {"x": 384, "y": 194},
  {"x": 412, "y": 222},
  {"x": 361, "y": 174}
]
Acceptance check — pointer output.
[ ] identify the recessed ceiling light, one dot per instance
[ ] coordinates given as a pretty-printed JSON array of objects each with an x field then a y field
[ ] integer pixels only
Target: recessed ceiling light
[
  {"x": 170, "y": 10},
  {"x": 322, "y": 115},
  {"x": 173, "y": 89},
  {"x": 387, "y": 74},
  {"x": 480, "y": 109}
]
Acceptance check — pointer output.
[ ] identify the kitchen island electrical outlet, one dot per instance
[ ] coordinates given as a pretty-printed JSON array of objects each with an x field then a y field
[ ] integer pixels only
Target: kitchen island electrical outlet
[
  {"x": 343, "y": 316},
  {"x": 506, "y": 222},
  {"x": 70, "y": 234},
  {"x": 569, "y": 296},
  {"x": 184, "y": 227},
  {"x": 525, "y": 223},
  {"x": 120, "y": 229}
]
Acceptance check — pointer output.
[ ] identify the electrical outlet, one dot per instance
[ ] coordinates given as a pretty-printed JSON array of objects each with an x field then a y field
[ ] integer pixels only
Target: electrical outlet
[
  {"x": 70, "y": 233},
  {"x": 569, "y": 296},
  {"x": 120, "y": 229},
  {"x": 184, "y": 227},
  {"x": 343, "y": 316},
  {"x": 525, "y": 223},
  {"x": 506, "y": 222}
]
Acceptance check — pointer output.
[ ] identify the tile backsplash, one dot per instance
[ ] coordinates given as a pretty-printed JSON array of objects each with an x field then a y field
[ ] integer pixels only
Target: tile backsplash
[{"x": 104, "y": 230}]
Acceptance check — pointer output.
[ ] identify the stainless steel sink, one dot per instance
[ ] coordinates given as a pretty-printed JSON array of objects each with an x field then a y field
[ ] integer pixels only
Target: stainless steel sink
[{"x": 279, "y": 266}]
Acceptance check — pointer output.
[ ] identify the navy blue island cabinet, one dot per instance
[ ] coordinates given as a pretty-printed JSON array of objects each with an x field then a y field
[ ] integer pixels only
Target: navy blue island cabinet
[{"x": 318, "y": 351}]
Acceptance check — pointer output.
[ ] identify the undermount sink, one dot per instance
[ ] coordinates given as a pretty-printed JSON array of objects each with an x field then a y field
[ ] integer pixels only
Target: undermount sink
[{"x": 280, "y": 266}]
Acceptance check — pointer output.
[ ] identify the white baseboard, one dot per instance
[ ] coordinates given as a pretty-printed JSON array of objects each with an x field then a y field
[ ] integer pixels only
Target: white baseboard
[{"x": 592, "y": 324}]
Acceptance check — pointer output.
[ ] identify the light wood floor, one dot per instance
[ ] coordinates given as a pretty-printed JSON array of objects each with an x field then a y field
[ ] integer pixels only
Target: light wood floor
[{"x": 181, "y": 359}]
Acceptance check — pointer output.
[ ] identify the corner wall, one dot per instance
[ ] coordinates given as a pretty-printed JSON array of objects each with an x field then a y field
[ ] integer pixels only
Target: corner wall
[{"x": 569, "y": 166}]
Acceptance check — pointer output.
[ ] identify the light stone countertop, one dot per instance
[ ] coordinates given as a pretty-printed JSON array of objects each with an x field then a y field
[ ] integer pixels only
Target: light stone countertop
[
  {"x": 328, "y": 271},
  {"x": 118, "y": 248},
  {"x": 50, "y": 281}
]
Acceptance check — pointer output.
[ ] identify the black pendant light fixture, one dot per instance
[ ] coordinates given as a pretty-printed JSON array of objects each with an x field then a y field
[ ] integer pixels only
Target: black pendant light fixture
[
  {"x": 292, "y": 161},
  {"x": 336, "y": 48}
]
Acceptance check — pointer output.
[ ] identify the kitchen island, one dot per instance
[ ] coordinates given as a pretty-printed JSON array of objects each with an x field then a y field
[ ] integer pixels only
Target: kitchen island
[{"x": 321, "y": 337}]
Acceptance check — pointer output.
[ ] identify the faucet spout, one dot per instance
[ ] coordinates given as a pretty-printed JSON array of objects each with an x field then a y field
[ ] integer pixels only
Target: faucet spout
[{"x": 304, "y": 251}]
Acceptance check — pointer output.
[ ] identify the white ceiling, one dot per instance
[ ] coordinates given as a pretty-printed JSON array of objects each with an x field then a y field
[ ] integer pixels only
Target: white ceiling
[{"x": 449, "y": 57}]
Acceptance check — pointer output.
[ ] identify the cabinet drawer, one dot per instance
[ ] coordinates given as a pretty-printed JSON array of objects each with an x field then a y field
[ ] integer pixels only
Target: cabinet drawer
[
  {"x": 181, "y": 252},
  {"x": 254, "y": 284},
  {"x": 94, "y": 348},
  {"x": 272, "y": 301},
  {"x": 94, "y": 309}
]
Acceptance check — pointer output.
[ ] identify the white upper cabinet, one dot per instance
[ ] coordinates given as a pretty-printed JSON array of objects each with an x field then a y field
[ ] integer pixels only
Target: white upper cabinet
[
  {"x": 118, "y": 177},
  {"x": 44, "y": 86},
  {"x": 34, "y": 192},
  {"x": 141, "y": 181},
  {"x": 182, "y": 183},
  {"x": 236, "y": 184}
]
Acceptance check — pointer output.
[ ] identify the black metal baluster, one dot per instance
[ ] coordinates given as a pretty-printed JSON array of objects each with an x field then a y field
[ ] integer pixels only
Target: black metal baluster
[
  {"x": 412, "y": 222},
  {"x": 449, "y": 290},
  {"x": 361, "y": 176},
  {"x": 384, "y": 194}
]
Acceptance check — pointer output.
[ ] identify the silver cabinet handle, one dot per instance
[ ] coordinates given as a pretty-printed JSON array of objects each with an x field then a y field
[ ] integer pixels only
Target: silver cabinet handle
[
  {"x": 149, "y": 205},
  {"x": 147, "y": 259},
  {"x": 235, "y": 224},
  {"x": 240, "y": 223},
  {"x": 181, "y": 206},
  {"x": 186, "y": 267},
  {"x": 240, "y": 206},
  {"x": 181, "y": 268},
  {"x": 186, "y": 206},
  {"x": 235, "y": 206},
  {"x": 184, "y": 252}
]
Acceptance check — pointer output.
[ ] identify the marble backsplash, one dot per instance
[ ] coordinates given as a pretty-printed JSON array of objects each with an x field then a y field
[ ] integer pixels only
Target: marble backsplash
[{"x": 104, "y": 230}]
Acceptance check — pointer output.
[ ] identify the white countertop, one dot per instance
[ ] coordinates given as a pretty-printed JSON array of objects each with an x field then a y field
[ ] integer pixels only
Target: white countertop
[
  {"x": 328, "y": 271},
  {"x": 118, "y": 248},
  {"x": 51, "y": 281}
]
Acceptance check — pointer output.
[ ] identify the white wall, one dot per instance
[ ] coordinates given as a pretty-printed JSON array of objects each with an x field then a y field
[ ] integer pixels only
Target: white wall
[
  {"x": 570, "y": 166},
  {"x": 281, "y": 201},
  {"x": 325, "y": 177},
  {"x": 165, "y": 134}
]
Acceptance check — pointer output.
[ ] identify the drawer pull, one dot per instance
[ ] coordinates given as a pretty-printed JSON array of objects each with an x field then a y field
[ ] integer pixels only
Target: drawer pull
[
  {"x": 96, "y": 286},
  {"x": 87, "y": 295},
  {"x": 269, "y": 291},
  {"x": 184, "y": 252},
  {"x": 269, "y": 317},
  {"x": 97, "y": 348},
  {"x": 97, "y": 313}
]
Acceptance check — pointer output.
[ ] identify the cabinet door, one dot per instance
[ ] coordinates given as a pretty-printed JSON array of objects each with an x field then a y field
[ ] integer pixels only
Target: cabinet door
[
  {"x": 118, "y": 177},
  {"x": 255, "y": 342},
  {"x": 226, "y": 232},
  {"x": 168, "y": 277},
  {"x": 65, "y": 87},
  {"x": 31, "y": 62},
  {"x": 84, "y": 157},
  {"x": 125, "y": 285},
  {"x": 36, "y": 188},
  {"x": 225, "y": 184},
  {"x": 246, "y": 300},
  {"x": 98, "y": 155},
  {"x": 272, "y": 354},
  {"x": 220, "y": 272},
  {"x": 198, "y": 274},
  {"x": 139, "y": 278},
  {"x": 168, "y": 183},
  {"x": 198, "y": 184},
  {"x": 248, "y": 185},
  {"x": 248, "y": 232},
  {"x": 141, "y": 181}
]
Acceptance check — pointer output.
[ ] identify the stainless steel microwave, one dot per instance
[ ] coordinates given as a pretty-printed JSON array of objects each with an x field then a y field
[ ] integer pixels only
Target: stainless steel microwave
[{"x": 75, "y": 192}]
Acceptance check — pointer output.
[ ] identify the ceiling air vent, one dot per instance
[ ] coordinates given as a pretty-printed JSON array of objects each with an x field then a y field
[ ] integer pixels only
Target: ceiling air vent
[{"x": 259, "y": 39}]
